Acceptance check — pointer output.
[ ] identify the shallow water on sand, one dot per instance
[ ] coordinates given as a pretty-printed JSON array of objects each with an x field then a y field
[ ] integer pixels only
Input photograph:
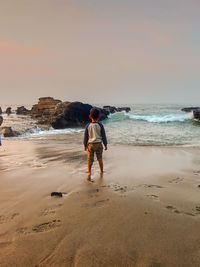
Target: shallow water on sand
[{"x": 145, "y": 125}]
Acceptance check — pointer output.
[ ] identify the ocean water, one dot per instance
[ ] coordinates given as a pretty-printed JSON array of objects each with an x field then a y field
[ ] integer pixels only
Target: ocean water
[{"x": 145, "y": 125}]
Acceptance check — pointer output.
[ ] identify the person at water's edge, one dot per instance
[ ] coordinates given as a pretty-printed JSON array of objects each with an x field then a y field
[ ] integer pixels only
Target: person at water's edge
[{"x": 93, "y": 138}]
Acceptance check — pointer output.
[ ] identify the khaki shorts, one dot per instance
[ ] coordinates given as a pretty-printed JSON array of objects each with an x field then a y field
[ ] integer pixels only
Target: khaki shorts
[{"x": 94, "y": 148}]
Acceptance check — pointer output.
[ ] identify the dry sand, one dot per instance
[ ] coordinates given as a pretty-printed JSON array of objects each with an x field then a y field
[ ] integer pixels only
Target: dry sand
[{"x": 144, "y": 212}]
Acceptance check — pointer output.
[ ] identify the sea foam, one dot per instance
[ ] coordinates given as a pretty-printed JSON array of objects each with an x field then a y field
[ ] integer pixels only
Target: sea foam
[{"x": 153, "y": 118}]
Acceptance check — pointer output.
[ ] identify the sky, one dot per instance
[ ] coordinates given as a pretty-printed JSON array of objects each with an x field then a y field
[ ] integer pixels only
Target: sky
[{"x": 100, "y": 51}]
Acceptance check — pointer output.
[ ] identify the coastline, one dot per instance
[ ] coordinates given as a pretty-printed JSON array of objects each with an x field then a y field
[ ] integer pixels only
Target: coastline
[{"x": 144, "y": 212}]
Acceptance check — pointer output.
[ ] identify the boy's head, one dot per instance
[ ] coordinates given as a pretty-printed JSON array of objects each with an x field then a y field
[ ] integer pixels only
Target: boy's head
[{"x": 94, "y": 114}]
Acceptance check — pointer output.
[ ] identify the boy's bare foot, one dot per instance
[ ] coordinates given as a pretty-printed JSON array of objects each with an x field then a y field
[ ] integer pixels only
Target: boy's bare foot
[
  {"x": 89, "y": 178},
  {"x": 101, "y": 174}
]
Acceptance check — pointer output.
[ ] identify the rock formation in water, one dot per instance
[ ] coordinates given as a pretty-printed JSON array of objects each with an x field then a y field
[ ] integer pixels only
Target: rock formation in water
[
  {"x": 8, "y": 132},
  {"x": 22, "y": 111},
  {"x": 195, "y": 110},
  {"x": 110, "y": 109},
  {"x": 196, "y": 114},
  {"x": 127, "y": 109},
  {"x": 60, "y": 115},
  {"x": 45, "y": 107},
  {"x": 190, "y": 109},
  {"x": 113, "y": 109},
  {"x": 8, "y": 111},
  {"x": 74, "y": 114}
]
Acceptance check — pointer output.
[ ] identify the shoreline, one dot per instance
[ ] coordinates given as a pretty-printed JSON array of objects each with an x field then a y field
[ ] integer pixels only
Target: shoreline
[{"x": 144, "y": 212}]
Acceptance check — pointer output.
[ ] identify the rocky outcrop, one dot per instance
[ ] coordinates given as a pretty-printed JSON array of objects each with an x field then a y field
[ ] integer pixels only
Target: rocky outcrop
[
  {"x": 8, "y": 132},
  {"x": 74, "y": 114},
  {"x": 113, "y": 109},
  {"x": 1, "y": 110},
  {"x": 127, "y": 109},
  {"x": 60, "y": 108},
  {"x": 70, "y": 114},
  {"x": 195, "y": 110},
  {"x": 110, "y": 109},
  {"x": 196, "y": 114},
  {"x": 60, "y": 115},
  {"x": 22, "y": 111},
  {"x": 190, "y": 109},
  {"x": 45, "y": 107},
  {"x": 8, "y": 111},
  {"x": 1, "y": 120}
]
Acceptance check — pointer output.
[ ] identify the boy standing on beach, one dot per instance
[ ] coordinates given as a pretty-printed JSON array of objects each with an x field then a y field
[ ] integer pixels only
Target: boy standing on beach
[{"x": 93, "y": 138}]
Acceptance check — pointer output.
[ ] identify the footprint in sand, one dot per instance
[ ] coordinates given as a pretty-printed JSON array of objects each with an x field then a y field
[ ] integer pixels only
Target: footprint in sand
[
  {"x": 47, "y": 226},
  {"x": 47, "y": 211},
  {"x": 5, "y": 219},
  {"x": 176, "y": 180},
  {"x": 119, "y": 188},
  {"x": 196, "y": 172},
  {"x": 43, "y": 227},
  {"x": 151, "y": 186},
  {"x": 93, "y": 192},
  {"x": 154, "y": 197},
  {"x": 197, "y": 210},
  {"x": 98, "y": 203},
  {"x": 174, "y": 209},
  {"x": 23, "y": 230}
]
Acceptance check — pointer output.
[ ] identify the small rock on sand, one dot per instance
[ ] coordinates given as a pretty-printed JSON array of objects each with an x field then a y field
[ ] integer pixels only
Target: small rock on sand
[{"x": 56, "y": 194}]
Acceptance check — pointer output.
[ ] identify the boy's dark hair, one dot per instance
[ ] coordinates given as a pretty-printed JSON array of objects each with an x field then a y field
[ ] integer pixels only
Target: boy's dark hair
[{"x": 94, "y": 112}]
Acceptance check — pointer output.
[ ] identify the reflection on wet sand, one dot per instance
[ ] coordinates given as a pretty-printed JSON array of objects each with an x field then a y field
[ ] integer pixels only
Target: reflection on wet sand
[{"x": 143, "y": 212}]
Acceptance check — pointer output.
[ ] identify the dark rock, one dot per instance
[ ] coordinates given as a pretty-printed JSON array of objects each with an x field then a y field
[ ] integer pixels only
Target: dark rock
[
  {"x": 127, "y": 109},
  {"x": 56, "y": 194},
  {"x": 189, "y": 109},
  {"x": 62, "y": 115},
  {"x": 60, "y": 108},
  {"x": 1, "y": 120},
  {"x": 1, "y": 110},
  {"x": 196, "y": 115},
  {"x": 198, "y": 186},
  {"x": 113, "y": 109},
  {"x": 8, "y": 132},
  {"x": 104, "y": 113},
  {"x": 22, "y": 111},
  {"x": 110, "y": 109},
  {"x": 8, "y": 111},
  {"x": 75, "y": 114}
]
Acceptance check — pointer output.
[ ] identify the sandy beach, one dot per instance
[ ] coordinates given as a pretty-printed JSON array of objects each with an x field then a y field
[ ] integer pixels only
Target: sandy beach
[{"x": 145, "y": 211}]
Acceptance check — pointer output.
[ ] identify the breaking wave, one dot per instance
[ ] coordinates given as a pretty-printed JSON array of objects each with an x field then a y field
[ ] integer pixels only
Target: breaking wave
[
  {"x": 154, "y": 118},
  {"x": 37, "y": 132}
]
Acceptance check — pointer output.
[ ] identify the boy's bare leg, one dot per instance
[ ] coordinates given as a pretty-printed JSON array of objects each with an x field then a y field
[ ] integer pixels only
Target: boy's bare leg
[
  {"x": 101, "y": 167},
  {"x": 89, "y": 171}
]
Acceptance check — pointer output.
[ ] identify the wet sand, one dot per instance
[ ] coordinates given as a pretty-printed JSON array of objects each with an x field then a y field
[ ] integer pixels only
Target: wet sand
[{"x": 144, "y": 212}]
